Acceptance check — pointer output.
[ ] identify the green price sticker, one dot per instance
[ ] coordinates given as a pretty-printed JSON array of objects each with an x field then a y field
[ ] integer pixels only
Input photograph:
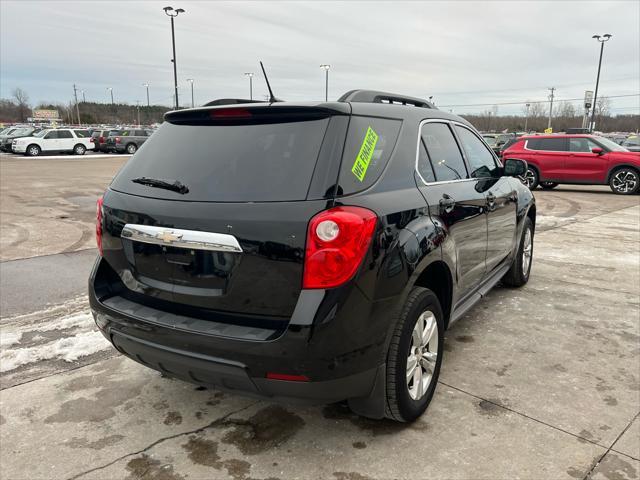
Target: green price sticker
[{"x": 365, "y": 154}]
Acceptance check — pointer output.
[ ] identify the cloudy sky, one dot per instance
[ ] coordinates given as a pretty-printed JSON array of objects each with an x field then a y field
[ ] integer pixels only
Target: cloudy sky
[{"x": 463, "y": 53}]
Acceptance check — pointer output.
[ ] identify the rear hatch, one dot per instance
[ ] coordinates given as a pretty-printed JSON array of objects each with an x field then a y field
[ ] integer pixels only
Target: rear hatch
[{"x": 211, "y": 213}]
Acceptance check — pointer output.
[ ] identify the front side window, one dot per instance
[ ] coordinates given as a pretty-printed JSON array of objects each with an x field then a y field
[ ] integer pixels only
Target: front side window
[
  {"x": 581, "y": 145},
  {"x": 480, "y": 159},
  {"x": 443, "y": 152},
  {"x": 64, "y": 134},
  {"x": 53, "y": 134}
]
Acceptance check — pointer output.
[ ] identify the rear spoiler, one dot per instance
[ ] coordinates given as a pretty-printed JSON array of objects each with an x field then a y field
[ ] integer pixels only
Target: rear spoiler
[{"x": 248, "y": 114}]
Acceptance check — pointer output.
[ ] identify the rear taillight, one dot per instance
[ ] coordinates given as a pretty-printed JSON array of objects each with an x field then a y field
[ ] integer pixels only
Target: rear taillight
[
  {"x": 99, "y": 225},
  {"x": 101, "y": 139},
  {"x": 231, "y": 113},
  {"x": 117, "y": 139},
  {"x": 92, "y": 140},
  {"x": 337, "y": 241}
]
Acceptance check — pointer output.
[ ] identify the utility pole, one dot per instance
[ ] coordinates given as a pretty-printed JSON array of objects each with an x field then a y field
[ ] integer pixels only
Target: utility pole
[
  {"x": 526, "y": 118},
  {"x": 75, "y": 94},
  {"x": 551, "y": 89},
  {"x": 326, "y": 68},
  {"x": 250, "y": 75},
  {"x": 147, "y": 87}
]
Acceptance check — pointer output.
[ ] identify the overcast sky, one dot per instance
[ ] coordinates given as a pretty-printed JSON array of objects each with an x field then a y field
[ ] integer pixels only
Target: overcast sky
[{"x": 459, "y": 52}]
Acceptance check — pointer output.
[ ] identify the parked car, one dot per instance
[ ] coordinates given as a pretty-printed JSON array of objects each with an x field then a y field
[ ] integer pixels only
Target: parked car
[
  {"x": 99, "y": 138},
  {"x": 61, "y": 140},
  {"x": 7, "y": 140},
  {"x": 128, "y": 140},
  {"x": 497, "y": 140},
  {"x": 577, "y": 159},
  {"x": 313, "y": 252},
  {"x": 632, "y": 143}
]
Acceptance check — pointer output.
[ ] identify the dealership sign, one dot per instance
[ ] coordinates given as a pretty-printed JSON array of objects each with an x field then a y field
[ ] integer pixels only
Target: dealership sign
[{"x": 46, "y": 114}]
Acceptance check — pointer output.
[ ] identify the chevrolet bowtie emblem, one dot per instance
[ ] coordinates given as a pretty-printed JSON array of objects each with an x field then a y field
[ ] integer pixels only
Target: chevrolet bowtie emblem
[{"x": 168, "y": 237}]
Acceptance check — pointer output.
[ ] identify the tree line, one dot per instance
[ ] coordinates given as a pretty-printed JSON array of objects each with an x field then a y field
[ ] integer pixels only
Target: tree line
[{"x": 535, "y": 117}]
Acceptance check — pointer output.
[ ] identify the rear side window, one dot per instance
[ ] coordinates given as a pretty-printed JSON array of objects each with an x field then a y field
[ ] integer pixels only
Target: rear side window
[
  {"x": 370, "y": 142},
  {"x": 82, "y": 133},
  {"x": 547, "y": 144},
  {"x": 443, "y": 151},
  {"x": 64, "y": 134},
  {"x": 228, "y": 163}
]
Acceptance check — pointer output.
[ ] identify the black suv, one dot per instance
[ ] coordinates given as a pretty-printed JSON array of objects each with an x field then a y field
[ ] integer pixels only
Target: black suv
[{"x": 309, "y": 252}]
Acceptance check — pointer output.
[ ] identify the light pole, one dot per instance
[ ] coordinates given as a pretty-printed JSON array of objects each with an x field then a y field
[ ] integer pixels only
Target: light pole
[
  {"x": 84, "y": 100},
  {"x": 174, "y": 13},
  {"x": 146, "y": 85},
  {"x": 110, "y": 89},
  {"x": 326, "y": 68},
  {"x": 601, "y": 39},
  {"x": 526, "y": 118},
  {"x": 190, "y": 80},
  {"x": 551, "y": 95},
  {"x": 138, "y": 108},
  {"x": 250, "y": 75}
]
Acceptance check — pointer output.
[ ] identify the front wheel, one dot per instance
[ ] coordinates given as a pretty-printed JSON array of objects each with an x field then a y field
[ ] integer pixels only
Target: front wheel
[
  {"x": 518, "y": 274},
  {"x": 33, "y": 150},
  {"x": 530, "y": 178},
  {"x": 548, "y": 185},
  {"x": 131, "y": 148},
  {"x": 624, "y": 181},
  {"x": 414, "y": 356}
]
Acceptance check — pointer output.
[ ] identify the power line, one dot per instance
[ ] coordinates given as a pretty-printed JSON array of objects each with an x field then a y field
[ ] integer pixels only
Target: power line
[{"x": 532, "y": 101}]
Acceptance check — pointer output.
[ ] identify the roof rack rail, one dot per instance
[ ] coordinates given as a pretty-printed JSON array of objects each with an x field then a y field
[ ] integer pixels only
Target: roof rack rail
[
  {"x": 230, "y": 101},
  {"x": 373, "y": 96}
]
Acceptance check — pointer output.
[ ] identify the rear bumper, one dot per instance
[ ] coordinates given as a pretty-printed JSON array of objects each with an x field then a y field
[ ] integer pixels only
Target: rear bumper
[{"x": 338, "y": 359}]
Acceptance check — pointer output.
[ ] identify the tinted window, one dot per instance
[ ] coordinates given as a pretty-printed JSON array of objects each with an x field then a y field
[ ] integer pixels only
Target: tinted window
[
  {"x": 113, "y": 133},
  {"x": 64, "y": 134},
  {"x": 241, "y": 163},
  {"x": 443, "y": 151},
  {"x": 424, "y": 165},
  {"x": 140, "y": 133},
  {"x": 82, "y": 133},
  {"x": 51, "y": 135},
  {"x": 369, "y": 144},
  {"x": 581, "y": 145},
  {"x": 480, "y": 159},
  {"x": 547, "y": 144}
]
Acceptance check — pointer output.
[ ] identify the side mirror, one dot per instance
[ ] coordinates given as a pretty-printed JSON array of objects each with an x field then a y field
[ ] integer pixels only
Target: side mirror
[
  {"x": 597, "y": 151},
  {"x": 514, "y": 167}
]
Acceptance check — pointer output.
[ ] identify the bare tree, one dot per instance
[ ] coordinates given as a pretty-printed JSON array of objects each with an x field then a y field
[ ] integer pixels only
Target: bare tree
[
  {"x": 23, "y": 102},
  {"x": 603, "y": 106},
  {"x": 566, "y": 110}
]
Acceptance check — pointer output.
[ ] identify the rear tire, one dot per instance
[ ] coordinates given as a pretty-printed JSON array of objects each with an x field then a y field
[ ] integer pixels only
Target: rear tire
[
  {"x": 519, "y": 272},
  {"x": 131, "y": 148},
  {"x": 418, "y": 346},
  {"x": 625, "y": 181},
  {"x": 79, "y": 149},
  {"x": 548, "y": 185},
  {"x": 32, "y": 150}
]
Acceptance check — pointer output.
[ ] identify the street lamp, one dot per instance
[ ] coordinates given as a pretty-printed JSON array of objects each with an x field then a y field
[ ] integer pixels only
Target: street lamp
[
  {"x": 84, "y": 100},
  {"x": 602, "y": 39},
  {"x": 326, "y": 81},
  {"x": 111, "y": 92},
  {"x": 250, "y": 75},
  {"x": 146, "y": 85},
  {"x": 174, "y": 13},
  {"x": 526, "y": 118},
  {"x": 190, "y": 80}
]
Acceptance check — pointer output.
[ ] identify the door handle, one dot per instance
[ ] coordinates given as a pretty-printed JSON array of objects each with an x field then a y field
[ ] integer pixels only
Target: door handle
[
  {"x": 447, "y": 204},
  {"x": 491, "y": 201}
]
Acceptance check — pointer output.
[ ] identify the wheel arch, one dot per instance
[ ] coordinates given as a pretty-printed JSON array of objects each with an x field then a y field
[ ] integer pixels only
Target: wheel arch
[
  {"x": 437, "y": 277},
  {"x": 618, "y": 166}
]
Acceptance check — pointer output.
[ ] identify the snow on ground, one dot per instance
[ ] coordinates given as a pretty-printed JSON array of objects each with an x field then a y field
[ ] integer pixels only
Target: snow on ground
[{"x": 62, "y": 332}]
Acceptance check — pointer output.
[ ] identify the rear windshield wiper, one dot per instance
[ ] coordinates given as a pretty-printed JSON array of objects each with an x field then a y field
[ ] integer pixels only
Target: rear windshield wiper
[{"x": 152, "y": 182}]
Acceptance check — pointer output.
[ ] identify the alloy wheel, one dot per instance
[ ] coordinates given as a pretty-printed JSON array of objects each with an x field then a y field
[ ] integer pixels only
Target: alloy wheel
[
  {"x": 529, "y": 178},
  {"x": 624, "y": 181},
  {"x": 527, "y": 251},
  {"x": 33, "y": 151},
  {"x": 423, "y": 353}
]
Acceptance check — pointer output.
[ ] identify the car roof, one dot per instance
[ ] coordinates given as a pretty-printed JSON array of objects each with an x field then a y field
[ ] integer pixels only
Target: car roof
[{"x": 560, "y": 135}]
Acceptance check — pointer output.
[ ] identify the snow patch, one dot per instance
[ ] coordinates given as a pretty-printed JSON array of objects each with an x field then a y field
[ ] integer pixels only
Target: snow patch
[
  {"x": 82, "y": 319},
  {"x": 9, "y": 338},
  {"x": 68, "y": 349}
]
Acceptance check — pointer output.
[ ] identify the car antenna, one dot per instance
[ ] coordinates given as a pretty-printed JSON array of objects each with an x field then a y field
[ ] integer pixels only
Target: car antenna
[{"x": 272, "y": 98}]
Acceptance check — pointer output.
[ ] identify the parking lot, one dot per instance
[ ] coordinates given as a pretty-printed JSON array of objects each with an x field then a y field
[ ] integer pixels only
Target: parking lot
[{"x": 541, "y": 382}]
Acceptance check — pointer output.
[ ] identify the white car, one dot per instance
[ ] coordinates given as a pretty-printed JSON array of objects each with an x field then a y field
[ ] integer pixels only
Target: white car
[{"x": 57, "y": 140}]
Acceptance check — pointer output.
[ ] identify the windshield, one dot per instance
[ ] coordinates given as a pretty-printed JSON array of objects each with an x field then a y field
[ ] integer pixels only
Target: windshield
[
  {"x": 41, "y": 133},
  {"x": 490, "y": 139},
  {"x": 632, "y": 141},
  {"x": 613, "y": 146},
  {"x": 21, "y": 131}
]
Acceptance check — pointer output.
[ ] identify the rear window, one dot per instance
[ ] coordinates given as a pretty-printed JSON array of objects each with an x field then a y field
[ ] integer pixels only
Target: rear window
[
  {"x": 547, "y": 144},
  {"x": 369, "y": 144},
  {"x": 229, "y": 163}
]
